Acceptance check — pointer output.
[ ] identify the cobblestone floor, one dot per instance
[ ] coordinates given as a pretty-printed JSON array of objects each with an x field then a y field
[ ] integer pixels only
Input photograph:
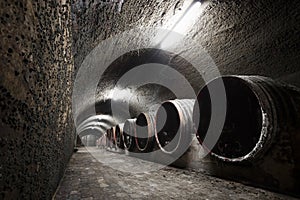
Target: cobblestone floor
[{"x": 89, "y": 176}]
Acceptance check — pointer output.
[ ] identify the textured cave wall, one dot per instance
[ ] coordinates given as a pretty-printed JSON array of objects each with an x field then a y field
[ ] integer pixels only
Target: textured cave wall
[
  {"x": 36, "y": 73},
  {"x": 243, "y": 37}
]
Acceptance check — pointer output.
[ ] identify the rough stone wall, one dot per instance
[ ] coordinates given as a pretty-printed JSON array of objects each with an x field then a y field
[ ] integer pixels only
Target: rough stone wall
[
  {"x": 36, "y": 73},
  {"x": 243, "y": 37}
]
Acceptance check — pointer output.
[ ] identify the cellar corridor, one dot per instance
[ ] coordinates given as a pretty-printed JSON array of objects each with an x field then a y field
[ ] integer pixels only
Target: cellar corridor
[{"x": 149, "y": 99}]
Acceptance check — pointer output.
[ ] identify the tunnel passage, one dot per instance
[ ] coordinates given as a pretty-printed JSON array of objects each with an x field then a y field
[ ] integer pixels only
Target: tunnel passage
[
  {"x": 142, "y": 97},
  {"x": 243, "y": 123},
  {"x": 112, "y": 99},
  {"x": 261, "y": 47},
  {"x": 91, "y": 131}
]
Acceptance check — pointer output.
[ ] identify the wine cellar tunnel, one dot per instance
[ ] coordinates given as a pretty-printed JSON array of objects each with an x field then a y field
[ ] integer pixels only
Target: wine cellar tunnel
[{"x": 150, "y": 99}]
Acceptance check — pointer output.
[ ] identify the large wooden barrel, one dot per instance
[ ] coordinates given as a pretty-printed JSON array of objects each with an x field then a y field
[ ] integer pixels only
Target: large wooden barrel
[{"x": 261, "y": 130}]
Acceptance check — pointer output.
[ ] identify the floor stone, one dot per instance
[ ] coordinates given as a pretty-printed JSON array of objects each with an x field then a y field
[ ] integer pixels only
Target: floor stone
[{"x": 87, "y": 179}]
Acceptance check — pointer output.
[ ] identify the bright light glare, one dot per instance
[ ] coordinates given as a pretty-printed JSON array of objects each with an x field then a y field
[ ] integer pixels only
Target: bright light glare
[
  {"x": 170, "y": 40},
  {"x": 182, "y": 23},
  {"x": 120, "y": 94},
  {"x": 188, "y": 19}
]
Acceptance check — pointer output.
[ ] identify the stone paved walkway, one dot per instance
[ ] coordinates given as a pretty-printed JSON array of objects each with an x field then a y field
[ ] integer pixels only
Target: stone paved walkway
[{"x": 89, "y": 176}]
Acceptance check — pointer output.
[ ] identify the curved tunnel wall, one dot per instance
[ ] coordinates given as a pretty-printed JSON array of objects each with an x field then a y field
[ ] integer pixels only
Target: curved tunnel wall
[
  {"x": 242, "y": 37},
  {"x": 36, "y": 74}
]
